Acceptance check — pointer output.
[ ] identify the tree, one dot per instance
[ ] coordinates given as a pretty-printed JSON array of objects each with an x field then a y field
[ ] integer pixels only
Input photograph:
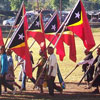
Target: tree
[
  {"x": 15, "y": 4},
  {"x": 56, "y": 4}
]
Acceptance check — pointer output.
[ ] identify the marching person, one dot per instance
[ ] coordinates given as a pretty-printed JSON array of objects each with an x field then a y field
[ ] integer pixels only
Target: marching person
[
  {"x": 52, "y": 72},
  {"x": 4, "y": 70},
  {"x": 23, "y": 62},
  {"x": 86, "y": 64},
  {"x": 40, "y": 68},
  {"x": 96, "y": 80},
  {"x": 10, "y": 77}
]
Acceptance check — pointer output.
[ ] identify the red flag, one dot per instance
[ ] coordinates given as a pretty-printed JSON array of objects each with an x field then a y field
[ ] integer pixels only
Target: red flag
[
  {"x": 68, "y": 37},
  {"x": 78, "y": 24},
  {"x": 18, "y": 44},
  {"x": 1, "y": 38},
  {"x": 50, "y": 29},
  {"x": 36, "y": 30}
]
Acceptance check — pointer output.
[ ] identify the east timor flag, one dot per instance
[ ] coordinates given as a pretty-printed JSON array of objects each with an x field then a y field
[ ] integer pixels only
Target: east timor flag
[
  {"x": 50, "y": 31},
  {"x": 36, "y": 30},
  {"x": 78, "y": 24},
  {"x": 18, "y": 44}
]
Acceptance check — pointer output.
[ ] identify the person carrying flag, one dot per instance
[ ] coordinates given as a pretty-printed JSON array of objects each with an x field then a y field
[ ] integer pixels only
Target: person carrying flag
[
  {"x": 52, "y": 72},
  {"x": 85, "y": 66}
]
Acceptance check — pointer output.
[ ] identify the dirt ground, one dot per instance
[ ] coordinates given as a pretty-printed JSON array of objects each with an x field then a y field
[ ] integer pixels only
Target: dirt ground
[{"x": 72, "y": 92}]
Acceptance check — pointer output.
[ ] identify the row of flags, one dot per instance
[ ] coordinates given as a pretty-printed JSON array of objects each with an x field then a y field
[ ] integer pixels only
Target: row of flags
[{"x": 75, "y": 23}]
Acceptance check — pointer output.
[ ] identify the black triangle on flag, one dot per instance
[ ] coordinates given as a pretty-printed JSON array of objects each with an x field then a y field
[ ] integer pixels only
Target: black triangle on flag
[
  {"x": 76, "y": 15},
  {"x": 35, "y": 25},
  {"x": 17, "y": 37},
  {"x": 52, "y": 25}
]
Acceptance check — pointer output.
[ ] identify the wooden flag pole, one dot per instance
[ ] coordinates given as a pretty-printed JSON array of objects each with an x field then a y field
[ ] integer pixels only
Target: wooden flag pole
[
  {"x": 70, "y": 72},
  {"x": 11, "y": 30},
  {"x": 84, "y": 75}
]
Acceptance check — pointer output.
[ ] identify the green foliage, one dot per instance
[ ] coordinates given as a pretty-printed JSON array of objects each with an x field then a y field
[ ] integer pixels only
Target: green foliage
[
  {"x": 56, "y": 4},
  {"x": 15, "y": 4}
]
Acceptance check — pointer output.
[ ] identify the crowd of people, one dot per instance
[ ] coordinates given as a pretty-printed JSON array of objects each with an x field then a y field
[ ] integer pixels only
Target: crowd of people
[{"x": 45, "y": 73}]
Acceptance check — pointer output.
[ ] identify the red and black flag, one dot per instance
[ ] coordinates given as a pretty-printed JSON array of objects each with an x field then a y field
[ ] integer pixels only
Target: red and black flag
[
  {"x": 51, "y": 28},
  {"x": 36, "y": 30},
  {"x": 18, "y": 44},
  {"x": 20, "y": 14},
  {"x": 1, "y": 38},
  {"x": 78, "y": 24}
]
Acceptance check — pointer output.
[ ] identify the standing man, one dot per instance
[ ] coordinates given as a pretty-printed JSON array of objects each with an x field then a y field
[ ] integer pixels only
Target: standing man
[{"x": 52, "y": 72}]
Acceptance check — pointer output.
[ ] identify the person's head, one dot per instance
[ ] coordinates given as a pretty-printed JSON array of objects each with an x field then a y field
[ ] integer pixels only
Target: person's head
[
  {"x": 9, "y": 51},
  {"x": 98, "y": 51},
  {"x": 31, "y": 52},
  {"x": 86, "y": 52},
  {"x": 41, "y": 53},
  {"x": 50, "y": 50},
  {"x": 2, "y": 49}
]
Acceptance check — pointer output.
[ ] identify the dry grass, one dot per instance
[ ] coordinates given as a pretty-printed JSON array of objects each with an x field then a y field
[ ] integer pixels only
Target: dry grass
[{"x": 72, "y": 91}]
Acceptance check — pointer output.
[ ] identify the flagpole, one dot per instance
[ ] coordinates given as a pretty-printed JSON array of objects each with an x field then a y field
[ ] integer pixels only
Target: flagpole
[
  {"x": 11, "y": 30},
  {"x": 32, "y": 44},
  {"x": 70, "y": 72}
]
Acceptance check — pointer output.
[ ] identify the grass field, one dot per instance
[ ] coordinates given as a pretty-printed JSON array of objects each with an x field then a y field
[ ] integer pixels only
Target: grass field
[{"x": 72, "y": 91}]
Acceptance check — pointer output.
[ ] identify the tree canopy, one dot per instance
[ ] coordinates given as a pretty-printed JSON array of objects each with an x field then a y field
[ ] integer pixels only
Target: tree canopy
[{"x": 14, "y": 5}]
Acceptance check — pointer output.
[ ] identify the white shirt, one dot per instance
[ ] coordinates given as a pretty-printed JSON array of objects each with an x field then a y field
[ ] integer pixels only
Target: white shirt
[
  {"x": 90, "y": 62},
  {"x": 52, "y": 61},
  {"x": 23, "y": 63}
]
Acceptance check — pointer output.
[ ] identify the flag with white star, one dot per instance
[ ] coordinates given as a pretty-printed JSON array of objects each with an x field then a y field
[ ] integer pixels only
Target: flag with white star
[
  {"x": 50, "y": 29},
  {"x": 18, "y": 44},
  {"x": 36, "y": 30},
  {"x": 78, "y": 24},
  {"x": 17, "y": 38},
  {"x": 53, "y": 24},
  {"x": 36, "y": 25}
]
